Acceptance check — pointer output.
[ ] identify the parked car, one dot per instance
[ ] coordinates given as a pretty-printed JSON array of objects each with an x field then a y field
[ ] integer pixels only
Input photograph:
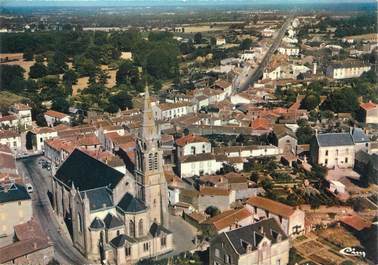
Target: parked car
[{"x": 29, "y": 187}]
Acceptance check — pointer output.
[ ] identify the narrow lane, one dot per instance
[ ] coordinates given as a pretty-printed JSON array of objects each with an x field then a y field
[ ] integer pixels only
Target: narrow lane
[{"x": 65, "y": 252}]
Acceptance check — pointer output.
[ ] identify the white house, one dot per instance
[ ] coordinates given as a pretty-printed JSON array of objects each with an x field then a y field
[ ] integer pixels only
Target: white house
[
  {"x": 23, "y": 114},
  {"x": 220, "y": 40},
  {"x": 333, "y": 150},
  {"x": 289, "y": 50},
  {"x": 192, "y": 145},
  {"x": 168, "y": 111},
  {"x": 52, "y": 117},
  {"x": 347, "y": 70},
  {"x": 336, "y": 187},
  {"x": 10, "y": 138},
  {"x": 36, "y": 139},
  {"x": 199, "y": 164}
]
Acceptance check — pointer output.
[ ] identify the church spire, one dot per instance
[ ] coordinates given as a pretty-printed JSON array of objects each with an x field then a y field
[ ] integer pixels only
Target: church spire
[{"x": 148, "y": 128}]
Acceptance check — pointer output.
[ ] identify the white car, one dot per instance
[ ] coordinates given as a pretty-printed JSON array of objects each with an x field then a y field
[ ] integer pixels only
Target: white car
[{"x": 29, "y": 188}]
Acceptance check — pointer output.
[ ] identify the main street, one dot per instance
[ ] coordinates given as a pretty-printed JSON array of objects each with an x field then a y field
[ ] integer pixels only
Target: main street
[
  {"x": 65, "y": 253},
  {"x": 244, "y": 80}
]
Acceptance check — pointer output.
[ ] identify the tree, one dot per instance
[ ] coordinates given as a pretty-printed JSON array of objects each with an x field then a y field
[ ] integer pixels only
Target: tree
[
  {"x": 162, "y": 63},
  {"x": 123, "y": 100},
  {"x": 39, "y": 58},
  {"x": 245, "y": 44},
  {"x": 304, "y": 132},
  {"x": 56, "y": 63},
  {"x": 40, "y": 120},
  {"x": 197, "y": 38},
  {"x": 212, "y": 211},
  {"x": 60, "y": 104},
  {"x": 343, "y": 100},
  {"x": 10, "y": 73},
  {"x": 127, "y": 73},
  {"x": 310, "y": 102},
  {"x": 70, "y": 77},
  {"x": 28, "y": 55},
  {"x": 37, "y": 70}
]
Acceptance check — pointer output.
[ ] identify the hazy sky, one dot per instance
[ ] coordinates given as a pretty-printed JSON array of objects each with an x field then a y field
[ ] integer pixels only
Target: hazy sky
[{"x": 164, "y": 2}]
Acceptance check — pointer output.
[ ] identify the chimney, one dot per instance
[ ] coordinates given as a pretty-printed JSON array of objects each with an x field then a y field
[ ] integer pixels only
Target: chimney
[
  {"x": 35, "y": 245},
  {"x": 314, "y": 68}
]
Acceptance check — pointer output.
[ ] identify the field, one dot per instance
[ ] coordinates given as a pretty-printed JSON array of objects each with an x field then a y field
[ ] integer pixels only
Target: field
[
  {"x": 82, "y": 83},
  {"x": 18, "y": 60},
  {"x": 7, "y": 99}
]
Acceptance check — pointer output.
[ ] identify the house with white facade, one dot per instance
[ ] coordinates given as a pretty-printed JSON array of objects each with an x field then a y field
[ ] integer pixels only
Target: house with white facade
[
  {"x": 23, "y": 114},
  {"x": 347, "y": 70},
  {"x": 263, "y": 242},
  {"x": 289, "y": 50},
  {"x": 10, "y": 138},
  {"x": 35, "y": 139},
  {"x": 333, "y": 150},
  {"x": 168, "y": 111},
  {"x": 53, "y": 117}
]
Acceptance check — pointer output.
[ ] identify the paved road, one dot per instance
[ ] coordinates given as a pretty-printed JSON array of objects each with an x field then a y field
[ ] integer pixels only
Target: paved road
[
  {"x": 254, "y": 74},
  {"x": 65, "y": 252}
]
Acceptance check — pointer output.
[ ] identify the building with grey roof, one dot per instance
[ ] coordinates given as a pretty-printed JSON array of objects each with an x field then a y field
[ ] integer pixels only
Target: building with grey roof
[
  {"x": 263, "y": 242},
  {"x": 15, "y": 207},
  {"x": 338, "y": 149}
]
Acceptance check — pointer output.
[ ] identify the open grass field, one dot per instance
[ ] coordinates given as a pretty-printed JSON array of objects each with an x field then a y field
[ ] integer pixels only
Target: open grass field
[{"x": 7, "y": 99}]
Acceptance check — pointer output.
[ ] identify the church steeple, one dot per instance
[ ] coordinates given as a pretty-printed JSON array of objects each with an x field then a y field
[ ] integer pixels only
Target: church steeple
[{"x": 148, "y": 132}]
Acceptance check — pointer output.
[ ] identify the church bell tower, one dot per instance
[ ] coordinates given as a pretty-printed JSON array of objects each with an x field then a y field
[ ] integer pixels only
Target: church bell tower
[{"x": 151, "y": 186}]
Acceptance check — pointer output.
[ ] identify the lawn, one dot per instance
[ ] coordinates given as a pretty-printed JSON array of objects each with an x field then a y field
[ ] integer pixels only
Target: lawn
[{"x": 7, "y": 99}]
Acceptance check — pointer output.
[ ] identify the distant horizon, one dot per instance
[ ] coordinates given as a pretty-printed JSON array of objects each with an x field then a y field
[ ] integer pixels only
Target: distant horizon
[{"x": 170, "y": 3}]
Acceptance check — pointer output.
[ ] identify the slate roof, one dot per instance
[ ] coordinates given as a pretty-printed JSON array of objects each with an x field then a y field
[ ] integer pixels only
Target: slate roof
[
  {"x": 129, "y": 204},
  {"x": 334, "y": 139},
  {"x": 156, "y": 230},
  {"x": 112, "y": 221},
  {"x": 359, "y": 136},
  {"x": 15, "y": 192},
  {"x": 253, "y": 234},
  {"x": 119, "y": 241},
  {"x": 99, "y": 198},
  {"x": 87, "y": 172},
  {"x": 97, "y": 223}
]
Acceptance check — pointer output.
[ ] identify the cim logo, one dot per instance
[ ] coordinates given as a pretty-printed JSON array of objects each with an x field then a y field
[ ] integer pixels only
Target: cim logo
[{"x": 353, "y": 251}]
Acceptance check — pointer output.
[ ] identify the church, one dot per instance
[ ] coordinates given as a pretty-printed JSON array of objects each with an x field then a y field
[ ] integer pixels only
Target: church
[{"x": 112, "y": 216}]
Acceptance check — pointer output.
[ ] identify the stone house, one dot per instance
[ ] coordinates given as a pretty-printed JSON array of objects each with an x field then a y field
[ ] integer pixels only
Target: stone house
[
  {"x": 291, "y": 219},
  {"x": 263, "y": 242}
]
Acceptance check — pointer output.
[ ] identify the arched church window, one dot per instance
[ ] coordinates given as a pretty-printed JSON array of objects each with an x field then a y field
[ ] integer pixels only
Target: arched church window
[
  {"x": 156, "y": 161},
  {"x": 140, "y": 227},
  {"x": 150, "y": 161},
  {"x": 80, "y": 221},
  {"x": 131, "y": 229}
]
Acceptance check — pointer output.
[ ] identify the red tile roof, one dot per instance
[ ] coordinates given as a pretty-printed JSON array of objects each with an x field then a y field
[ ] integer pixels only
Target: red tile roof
[
  {"x": 368, "y": 106},
  {"x": 31, "y": 238},
  {"x": 191, "y": 138},
  {"x": 213, "y": 191},
  {"x": 355, "y": 222},
  {"x": 261, "y": 124},
  {"x": 271, "y": 206},
  {"x": 55, "y": 114},
  {"x": 8, "y": 118},
  {"x": 228, "y": 218},
  {"x": 8, "y": 134}
]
